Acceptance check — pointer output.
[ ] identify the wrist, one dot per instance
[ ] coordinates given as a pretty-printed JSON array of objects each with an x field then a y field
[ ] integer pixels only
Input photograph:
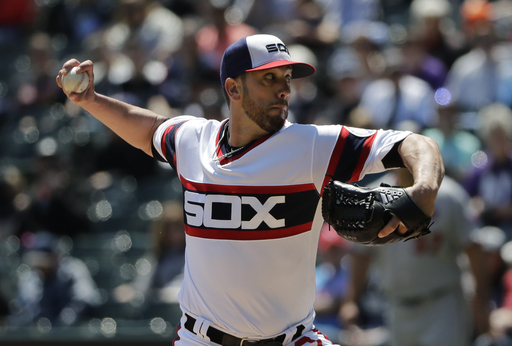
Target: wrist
[
  {"x": 90, "y": 102},
  {"x": 424, "y": 195}
]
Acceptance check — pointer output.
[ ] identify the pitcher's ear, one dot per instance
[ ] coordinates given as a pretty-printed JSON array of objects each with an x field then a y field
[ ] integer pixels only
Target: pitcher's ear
[{"x": 233, "y": 89}]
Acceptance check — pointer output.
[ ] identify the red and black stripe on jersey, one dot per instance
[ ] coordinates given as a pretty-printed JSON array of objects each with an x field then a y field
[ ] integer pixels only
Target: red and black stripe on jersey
[
  {"x": 248, "y": 212},
  {"x": 349, "y": 156},
  {"x": 170, "y": 142}
]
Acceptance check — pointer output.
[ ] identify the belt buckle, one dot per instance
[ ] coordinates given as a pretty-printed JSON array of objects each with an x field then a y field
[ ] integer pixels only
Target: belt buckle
[{"x": 250, "y": 341}]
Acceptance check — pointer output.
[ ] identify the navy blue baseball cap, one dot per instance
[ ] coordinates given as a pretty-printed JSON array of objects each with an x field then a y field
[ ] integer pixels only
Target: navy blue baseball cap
[{"x": 259, "y": 52}]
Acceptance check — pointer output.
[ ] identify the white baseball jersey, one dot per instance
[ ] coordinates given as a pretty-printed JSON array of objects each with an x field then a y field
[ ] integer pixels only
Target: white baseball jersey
[{"x": 253, "y": 218}]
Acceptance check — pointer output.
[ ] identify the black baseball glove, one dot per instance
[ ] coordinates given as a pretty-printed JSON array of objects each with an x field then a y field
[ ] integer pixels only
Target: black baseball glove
[{"x": 359, "y": 213}]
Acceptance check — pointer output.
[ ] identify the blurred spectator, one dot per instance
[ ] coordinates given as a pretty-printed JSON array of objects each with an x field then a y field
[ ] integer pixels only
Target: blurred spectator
[
  {"x": 331, "y": 280},
  {"x": 492, "y": 240},
  {"x": 157, "y": 29},
  {"x": 345, "y": 13},
  {"x": 398, "y": 97},
  {"x": 37, "y": 82},
  {"x": 432, "y": 22},
  {"x": 164, "y": 261},
  {"x": 483, "y": 75},
  {"x": 54, "y": 286},
  {"x": 490, "y": 182},
  {"x": 500, "y": 333},
  {"x": 43, "y": 66},
  {"x": 87, "y": 17},
  {"x": 187, "y": 72},
  {"x": 265, "y": 21},
  {"x": 95, "y": 47},
  {"x": 506, "y": 255},
  {"x": 221, "y": 29},
  {"x": 70, "y": 22},
  {"x": 345, "y": 74},
  {"x": 368, "y": 40},
  {"x": 421, "y": 279},
  {"x": 310, "y": 27},
  {"x": 140, "y": 44},
  {"x": 457, "y": 145},
  {"x": 304, "y": 97},
  {"x": 395, "y": 11},
  {"x": 311, "y": 23},
  {"x": 53, "y": 202},
  {"x": 12, "y": 200},
  {"x": 501, "y": 329},
  {"x": 419, "y": 63}
]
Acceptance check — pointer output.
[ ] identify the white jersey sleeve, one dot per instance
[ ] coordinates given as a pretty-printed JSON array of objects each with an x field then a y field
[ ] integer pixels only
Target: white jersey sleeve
[
  {"x": 355, "y": 153},
  {"x": 164, "y": 144}
]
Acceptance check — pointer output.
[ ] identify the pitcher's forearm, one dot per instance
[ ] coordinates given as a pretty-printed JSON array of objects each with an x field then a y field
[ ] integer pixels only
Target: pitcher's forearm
[
  {"x": 422, "y": 157},
  {"x": 133, "y": 124}
]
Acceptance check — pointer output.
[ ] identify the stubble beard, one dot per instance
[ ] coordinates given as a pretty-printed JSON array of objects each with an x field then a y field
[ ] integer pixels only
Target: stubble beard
[{"x": 260, "y": 116}]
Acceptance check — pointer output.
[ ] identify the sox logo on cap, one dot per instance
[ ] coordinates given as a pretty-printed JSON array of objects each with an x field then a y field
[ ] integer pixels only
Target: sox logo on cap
[
  {"x": 275, "y": 47},
  {"x": 259, "y": 52}
]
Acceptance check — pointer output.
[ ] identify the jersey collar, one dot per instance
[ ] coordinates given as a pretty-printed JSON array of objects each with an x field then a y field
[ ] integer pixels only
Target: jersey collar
[{"x": 225, "y": 153}]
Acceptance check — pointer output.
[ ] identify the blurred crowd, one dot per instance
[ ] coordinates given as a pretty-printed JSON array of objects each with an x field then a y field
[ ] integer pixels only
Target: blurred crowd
[{"x": 89, "y": 224}]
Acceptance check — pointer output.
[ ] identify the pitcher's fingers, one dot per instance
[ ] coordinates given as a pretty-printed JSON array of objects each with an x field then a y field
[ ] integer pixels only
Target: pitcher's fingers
[
  {"x": 85, "y": 66},
  {"x": 68, "y": 65},
  {"x": 390, "y": 227},
  {"x": 59, "y": 82}
]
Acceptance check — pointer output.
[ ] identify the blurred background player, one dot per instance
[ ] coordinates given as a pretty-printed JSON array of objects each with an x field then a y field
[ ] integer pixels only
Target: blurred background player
[{"x": 421, "y": 280}]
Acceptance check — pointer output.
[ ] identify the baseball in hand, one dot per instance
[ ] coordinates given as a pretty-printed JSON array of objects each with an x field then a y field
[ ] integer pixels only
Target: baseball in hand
[{"x": 75, "y": 82}]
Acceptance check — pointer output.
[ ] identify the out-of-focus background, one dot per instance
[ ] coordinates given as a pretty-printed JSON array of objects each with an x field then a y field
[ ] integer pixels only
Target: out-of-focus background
[{"x": 91, "y": 235}]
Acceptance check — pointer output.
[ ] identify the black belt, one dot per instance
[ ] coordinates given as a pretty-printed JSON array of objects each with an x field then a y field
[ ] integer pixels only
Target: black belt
[
  {"x": 221, "y": 338},
  {"x": 415, "y": 301}
]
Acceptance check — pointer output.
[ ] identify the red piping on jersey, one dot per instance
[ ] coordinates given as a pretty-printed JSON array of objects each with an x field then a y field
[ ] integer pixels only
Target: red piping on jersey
[
  {"x": 164, "y": 147},
  {"x": 162, "y": 142},
  {"x": 243, "y": 189},
  {"x": 219, "y": 136},
  {"x": 239, "y": 154},
  {"x": 244, "y": 151},
  {"x": 210, "y": 233},
  {"x": 335, "y": 156},
  {"x": 306, "y": 339},
  {"x": 178, "y": 338},
  {"x": 221, "y": 129},
  {"x": 362, "y": 158}
]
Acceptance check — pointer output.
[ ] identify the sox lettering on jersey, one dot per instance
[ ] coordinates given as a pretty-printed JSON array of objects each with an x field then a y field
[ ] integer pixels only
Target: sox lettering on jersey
[
  {"x": 248, "y": 212},
  {"x": 199, "y": 211}
]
